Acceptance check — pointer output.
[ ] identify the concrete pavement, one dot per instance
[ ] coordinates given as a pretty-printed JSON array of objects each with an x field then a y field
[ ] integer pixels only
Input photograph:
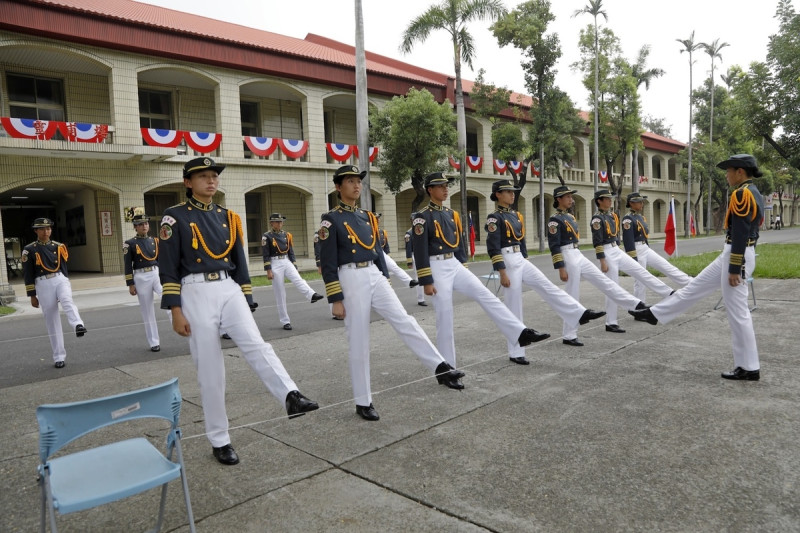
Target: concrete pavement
[{"x": 633, "y": 432}]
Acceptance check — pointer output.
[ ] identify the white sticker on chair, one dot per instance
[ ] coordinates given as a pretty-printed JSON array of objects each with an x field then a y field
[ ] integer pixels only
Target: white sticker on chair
[{"x": 125, "y": 410}]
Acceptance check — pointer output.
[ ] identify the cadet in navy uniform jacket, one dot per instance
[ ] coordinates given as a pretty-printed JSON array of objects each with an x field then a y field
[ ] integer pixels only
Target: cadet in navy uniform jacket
[
  {"x": 729, "y": 270},
  {"x": 355, "y": 275},
  {"x": 505, "y": 242},
  {"x": 440, "y": 259},
  {"x": 140, "y": 255},
  {"x": 634, "y": 237},
  {"x": 207, "y": 287},
  {"x": 277, "y": 250},
  {"x": 44, "y": 269},
  {"x": 605, "y": 238},
  {"x": 563, "y": 238}
]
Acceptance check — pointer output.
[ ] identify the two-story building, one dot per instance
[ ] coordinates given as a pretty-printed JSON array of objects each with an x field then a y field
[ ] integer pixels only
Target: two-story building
[{"x": 102, "y": 103}]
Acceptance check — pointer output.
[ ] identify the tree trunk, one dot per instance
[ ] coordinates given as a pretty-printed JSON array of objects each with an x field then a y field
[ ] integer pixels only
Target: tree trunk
[
  {"x": 362, "y": 111},
  {"x": 461, "y": 126}
]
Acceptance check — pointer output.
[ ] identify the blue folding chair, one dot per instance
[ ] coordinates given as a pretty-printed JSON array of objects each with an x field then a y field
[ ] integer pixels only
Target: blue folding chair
[{"x": 96, "y": 476}]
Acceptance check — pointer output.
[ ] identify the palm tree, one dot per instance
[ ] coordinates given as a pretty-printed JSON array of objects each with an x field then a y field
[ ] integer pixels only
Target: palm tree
[
  {"x": 452, "y": 16},
  {"x": 595, "y": 8},
  {"x": 643, "y": 76},
  {"x": 689, "y": 46},
  {"x": 712, "y": 50}
]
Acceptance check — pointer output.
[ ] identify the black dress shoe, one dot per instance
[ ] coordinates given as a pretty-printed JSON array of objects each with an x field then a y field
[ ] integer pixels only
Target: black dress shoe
[
  {"x": 59, "y": 364},
  {"x": 225, "y": 336},
  {"x": 298, "y": 405},
  {"x": 226, "y": 455},
  {"x": 572, "y": 342},
  {"x": 644, "y": 315},
  {"x": 287, "y": 327},
  {"x": 413, "y": 283},
  {"x": 155, "y": 348},
  {"x": 316, "y": 297},
  {"x": 449, "y": 377},
  {"x": 741, "y": 374},
  {"x": 80, "y": 330},
  {"x": 519, "y": 360},
  {"x": 367, "y": 413},
  {"x": 590, "y": 314},
  {"x": 423, "y": 304},
  {"x": 613, "y": 328},
  {"x": 529, "y": 336},
  {"x": 337, "y": 318}
]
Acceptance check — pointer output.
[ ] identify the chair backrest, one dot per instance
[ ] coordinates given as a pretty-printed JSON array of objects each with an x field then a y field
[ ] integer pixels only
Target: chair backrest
[{"x": 60, "y": 424}]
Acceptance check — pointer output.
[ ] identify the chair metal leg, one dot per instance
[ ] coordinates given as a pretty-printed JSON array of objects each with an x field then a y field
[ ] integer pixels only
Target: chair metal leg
[
  {"x": 752, "y": 291},
  {"x": 185, "y": 483}
]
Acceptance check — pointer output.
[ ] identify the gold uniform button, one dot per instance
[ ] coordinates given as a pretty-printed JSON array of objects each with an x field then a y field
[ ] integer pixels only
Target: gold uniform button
[
  {"x": 219, "y": 210},
  {"x": 198, "y": 260},
  {"x": 227, "y": 241},
  {"x": 226, "y": 259},
  {"x": 189, "y": 208},
  {"x": 224, "y": 225},
  {"x": 353, "y": 251}
]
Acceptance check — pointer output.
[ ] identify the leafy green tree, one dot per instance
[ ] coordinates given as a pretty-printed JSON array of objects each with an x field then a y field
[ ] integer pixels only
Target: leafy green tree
[
  {"x": 554, "y": 117},
  {"x": 452, "y": 16},
  {"x": 595, "y": 9},
  {"x": 643, "y": 76},
  {"x": 657, "y": 125},
  {"x": 416, "y": 135}
]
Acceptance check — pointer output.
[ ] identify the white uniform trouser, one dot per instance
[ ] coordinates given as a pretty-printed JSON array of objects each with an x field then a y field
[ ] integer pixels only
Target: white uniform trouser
[
  {"x": 450, "y": 275},
  {"x": 211, "y": 307},
  {"x": 618, "y": 260},
  {"x": 714, "y": 276},
  {"x": 519, "y": 270},
  {"x": 649, "y": 257},
  {"x": 396, "y": 271},
  {"x": 49, "y": 292},
  {"x": 578, "y": 266},
  {"x": 420, "y": 288},
  {"x": 366, "y": 289},
  {"x": 147, "y": 284},
  {"x": 282, "y": 267}
]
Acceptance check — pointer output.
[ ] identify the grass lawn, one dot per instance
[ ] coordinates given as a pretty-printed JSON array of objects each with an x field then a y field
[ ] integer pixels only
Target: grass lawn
[
  {"x": 6, "y": 310},
  {"x": 776, "y": 261}
]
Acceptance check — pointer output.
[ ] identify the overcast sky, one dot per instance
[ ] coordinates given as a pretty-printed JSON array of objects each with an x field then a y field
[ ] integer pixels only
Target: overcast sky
[{"x": 745, "y": 25}]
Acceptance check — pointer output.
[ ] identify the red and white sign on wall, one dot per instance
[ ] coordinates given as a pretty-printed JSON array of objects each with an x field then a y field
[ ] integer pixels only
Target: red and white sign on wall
[{"x": 106, "y": 229}]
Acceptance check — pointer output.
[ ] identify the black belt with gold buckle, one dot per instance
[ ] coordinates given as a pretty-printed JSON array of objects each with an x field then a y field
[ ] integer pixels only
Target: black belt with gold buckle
[{"x": 214, "y": 276}]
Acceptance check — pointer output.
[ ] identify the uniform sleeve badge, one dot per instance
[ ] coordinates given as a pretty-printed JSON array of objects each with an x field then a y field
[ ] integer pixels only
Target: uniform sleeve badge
[
  {"x": 552, "y": 227},
  {"x": 165, "y": 233},
  {"x": 596, "y": 223},
  {"x": 316, "y": 237},
  {"x": 263, "y": 240},
  {"x": 491, "y": 227},
  {"x": 125, "y": 248},
  {"x": 323, "y": 231},
  {"x": 24, "y": 255},
  {"x": 407, "y": 237},
  {"x": 419, "y": 226},
  {"x": 326, "y": 224},
  {"x": 626, "y": 223}
]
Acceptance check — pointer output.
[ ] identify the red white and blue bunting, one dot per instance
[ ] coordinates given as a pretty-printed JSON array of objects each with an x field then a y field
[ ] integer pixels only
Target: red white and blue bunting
[
  {"x": 500, "y": 166},
  {"x": 29, "y": 128},
  {"x": 474, "y": 162},
  {"x": 340, "y": 152},
  {"x": 82, "y": 132},
  {"x": 643, "y": 179},
  {"x": 453, "y": 163},
  {"x": 373, "y": 152},
  {"x": 514, "y": 167},
  {"x": 293, "y": 148},
  {"x": 201, "y": 141},
  {"x": 535, "y": 170},
  {"x": 261, "y": 146},
  {"x": 603, "y": 175},
  {"x": 162, "y": 138}
]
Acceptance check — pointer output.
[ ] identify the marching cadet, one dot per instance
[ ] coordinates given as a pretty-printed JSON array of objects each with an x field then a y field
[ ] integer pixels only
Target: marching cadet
[
  {"x": 278, "y": 252},
  {"x": 729, "y": 270},
  {"x": 355, "y": 275},
  {"x": 605, "y": 239},
  {"x": 410, "y": 265},
  {"x": 505, "y": 242},
  {"x": 391, "y": 265},
  {"x": 440, "y": 259},
  {"x": 207, "y": 287},
  {"x": 140, "y": 255},
  {"x": 44, "y": 269},
  {"x": 563, "y": 239},
  {"x": 634, "y": 237}
]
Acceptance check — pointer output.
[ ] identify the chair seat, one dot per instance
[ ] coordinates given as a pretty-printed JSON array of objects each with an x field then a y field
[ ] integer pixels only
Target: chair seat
[{"x": 108, "y": 473}]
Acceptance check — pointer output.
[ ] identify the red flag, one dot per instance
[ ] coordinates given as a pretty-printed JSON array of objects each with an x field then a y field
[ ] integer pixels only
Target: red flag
[
  {"x": 471, "y": 236},
  {"x": 692, "y": 227},
  {"x": 669, "y": 229}
]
